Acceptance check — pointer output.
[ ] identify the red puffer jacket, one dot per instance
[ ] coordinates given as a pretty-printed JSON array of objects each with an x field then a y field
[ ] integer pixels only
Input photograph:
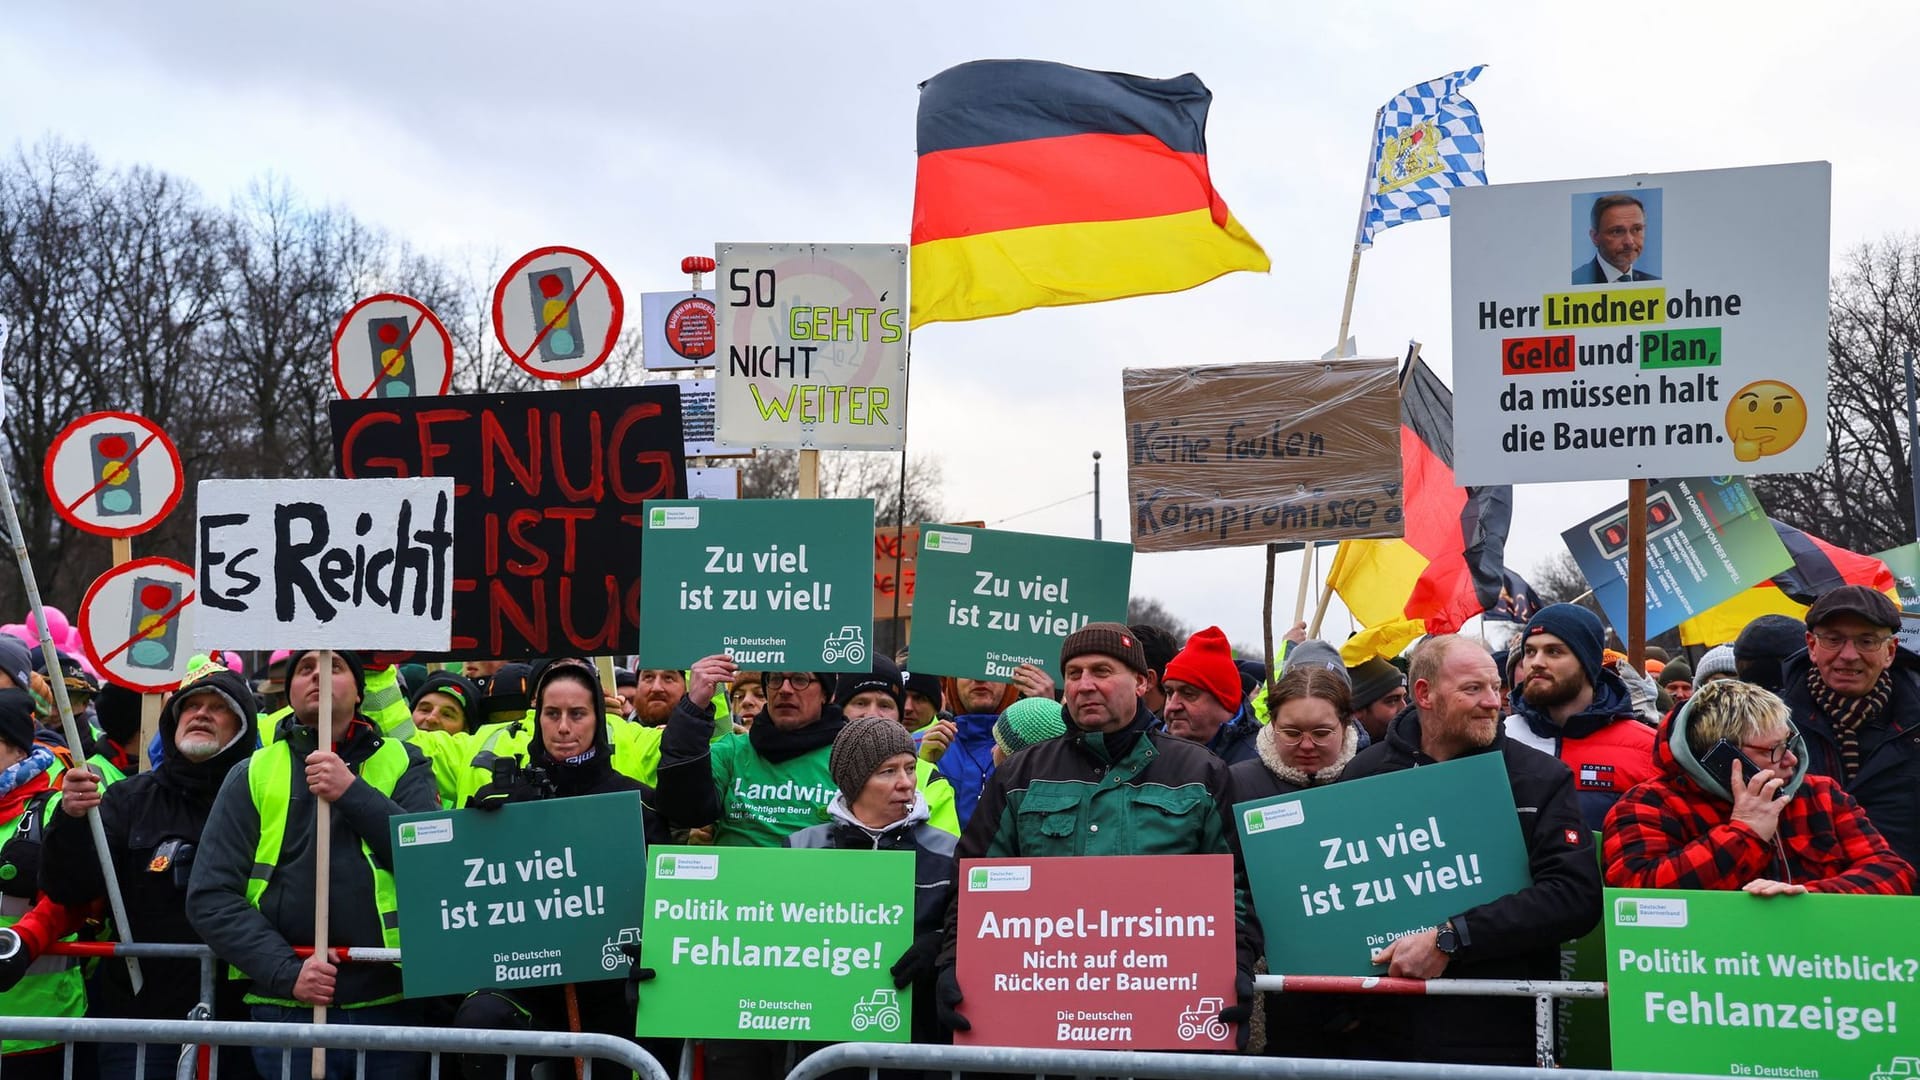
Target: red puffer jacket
[{"x": 1677, "y": 832}]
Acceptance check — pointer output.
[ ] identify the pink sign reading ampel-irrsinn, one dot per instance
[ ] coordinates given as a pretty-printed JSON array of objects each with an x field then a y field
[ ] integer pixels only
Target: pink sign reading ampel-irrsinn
[{"x": 1133, "y": 951}]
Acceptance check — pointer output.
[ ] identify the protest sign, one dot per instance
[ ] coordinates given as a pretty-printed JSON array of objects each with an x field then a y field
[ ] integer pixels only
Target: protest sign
[
  {"x": 812, "y": 345},
  {"x": 677, "y": 329},
  {"x": 1242, "y": 454},
  {"x": 113, "y": 474},
  {"x": 1708, "y": 539},
  {"x": 1727, "y": 984},
  {"x": 777, "y": 943},
  {"x": 995, "y": 600},
  {"x": 134, "y": 622},
  {"x": 1106, "y": 952},
  {"x": 775, "y": 584},
  {"x": 549, "y": 486},
  {"x": 557, "y": 312},
  {"x": 325, "y": 564},
  {"x": 895, "y": 568},
  {"x": 389, "y": 346},
  {"x": 1339, "y": 871},
  {"x": 527, "y": 895},
  {"x": 1904, "y": 563},
  {"x": 1709, "y": 360},
  {"x": 696, "y": 421}
]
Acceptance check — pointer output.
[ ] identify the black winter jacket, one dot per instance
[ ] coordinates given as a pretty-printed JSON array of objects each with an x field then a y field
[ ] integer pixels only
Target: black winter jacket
[
  {"x": 1517, "y": 936},
  {"x": 1887, "y": 786}
]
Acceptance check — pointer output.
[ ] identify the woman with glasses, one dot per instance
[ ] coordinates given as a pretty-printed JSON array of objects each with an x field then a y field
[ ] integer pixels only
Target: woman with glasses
[
  {"x": 1307, "y": 742},
  {"x": 1735, "y": 808}
]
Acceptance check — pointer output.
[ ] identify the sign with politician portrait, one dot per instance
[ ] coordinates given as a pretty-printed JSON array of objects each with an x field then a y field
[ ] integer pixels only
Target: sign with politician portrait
[{"x": 1638, "y": 326}]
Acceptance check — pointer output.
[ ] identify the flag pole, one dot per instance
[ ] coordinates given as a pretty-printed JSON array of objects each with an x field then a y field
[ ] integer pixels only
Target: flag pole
[
  {"x": 1359, "y": 230},
  {"x": 1636, "y": 642}
]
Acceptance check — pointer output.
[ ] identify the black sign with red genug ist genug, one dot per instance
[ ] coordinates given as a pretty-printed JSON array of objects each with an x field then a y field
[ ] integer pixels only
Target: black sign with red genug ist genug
[{"x": 547, "y": 493}]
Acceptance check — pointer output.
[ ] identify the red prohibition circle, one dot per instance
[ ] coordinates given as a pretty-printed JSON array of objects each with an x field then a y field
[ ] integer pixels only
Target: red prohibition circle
[
  {"x": 92, "y": 649},
  {"x": 595, "y": 271},
  {"x": 427, "y": 318},
  {"x": 153, "y": 436}
]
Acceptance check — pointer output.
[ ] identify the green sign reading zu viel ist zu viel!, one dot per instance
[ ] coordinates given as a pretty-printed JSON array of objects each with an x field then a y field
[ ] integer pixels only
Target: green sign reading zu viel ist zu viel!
[
  {"x": 777, "y": 584},
  {"x": 527, "y": 895},
  {"x": 777, "y": 943}
]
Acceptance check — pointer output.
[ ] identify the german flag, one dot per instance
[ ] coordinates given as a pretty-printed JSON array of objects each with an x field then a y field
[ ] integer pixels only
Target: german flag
[
  {"x": 1451, "y": 565},
  {"x": 1042, "y": 185}
]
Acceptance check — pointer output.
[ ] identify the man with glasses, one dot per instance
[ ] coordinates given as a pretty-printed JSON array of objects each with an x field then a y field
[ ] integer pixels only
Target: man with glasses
[
  {"x": 1565, "y": 702},
  {"x": 1764, "y": 824},
  {"x": 1855, "y": 696}
]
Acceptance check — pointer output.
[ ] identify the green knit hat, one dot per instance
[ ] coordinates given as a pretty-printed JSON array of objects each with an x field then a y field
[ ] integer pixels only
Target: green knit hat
[{"x": 1026, "y": 722}]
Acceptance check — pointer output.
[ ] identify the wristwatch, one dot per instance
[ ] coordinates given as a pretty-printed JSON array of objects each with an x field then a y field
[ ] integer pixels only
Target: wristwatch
[{"x": 1448, "y": 939}]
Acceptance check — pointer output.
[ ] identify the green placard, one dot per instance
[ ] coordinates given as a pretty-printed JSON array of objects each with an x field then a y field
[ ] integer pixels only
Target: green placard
[
  {"x": 777, "y": 584},
  {"x": 1904, "y": 561},
  {"x": 988, "y": 601},
  {"x": 776, "y": 943},
  {"x": 1727, "y": 984},
  {"x": 1339, "y": 871},
  {"x": 526, "y": 895}
]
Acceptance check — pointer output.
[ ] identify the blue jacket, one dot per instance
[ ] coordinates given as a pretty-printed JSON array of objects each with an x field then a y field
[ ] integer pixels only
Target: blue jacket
[
  {"x": 969, "y": 761},
  {"x": 1234, "y": 741}
]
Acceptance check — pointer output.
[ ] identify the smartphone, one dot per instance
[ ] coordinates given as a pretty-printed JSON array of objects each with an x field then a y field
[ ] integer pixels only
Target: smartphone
[{"x": 1719, "y": 759}]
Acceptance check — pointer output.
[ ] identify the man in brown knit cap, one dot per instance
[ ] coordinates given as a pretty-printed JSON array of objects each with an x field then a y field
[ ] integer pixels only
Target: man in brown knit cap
[{"x": 1111, "y": 787}]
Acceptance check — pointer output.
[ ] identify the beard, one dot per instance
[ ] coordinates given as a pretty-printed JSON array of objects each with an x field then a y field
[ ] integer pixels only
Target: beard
[
  {"x": 1549, "y": 694},
  {"x": 199, "y": 747}
]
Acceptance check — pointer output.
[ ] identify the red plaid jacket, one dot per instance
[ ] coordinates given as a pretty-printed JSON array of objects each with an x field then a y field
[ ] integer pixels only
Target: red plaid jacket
[{"x": 1670, "y": 833}]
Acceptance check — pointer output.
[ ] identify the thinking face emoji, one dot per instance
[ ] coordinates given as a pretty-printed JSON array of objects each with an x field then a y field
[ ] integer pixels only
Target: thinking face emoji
[{"x": 1765, "y": 418}]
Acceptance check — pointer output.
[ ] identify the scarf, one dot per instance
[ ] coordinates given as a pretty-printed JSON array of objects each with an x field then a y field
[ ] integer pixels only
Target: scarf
[
  {"x": 1849, "y": 714},
  {"x": 779, "y": 746},
  {"x": 17, "y": 781}
]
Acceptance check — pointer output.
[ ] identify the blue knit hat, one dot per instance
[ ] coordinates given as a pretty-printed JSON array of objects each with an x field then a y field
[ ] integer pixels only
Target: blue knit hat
[{"x": 1579, "y": 628}]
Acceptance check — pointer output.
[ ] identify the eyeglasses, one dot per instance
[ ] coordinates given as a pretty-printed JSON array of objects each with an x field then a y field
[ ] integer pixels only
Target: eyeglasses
[
  {"x": 799, "y": 680},
  {"x": 1297, "y": 736},
  {"x": 1866, "y": 643},
  {"x": 1775, "y": 754}
]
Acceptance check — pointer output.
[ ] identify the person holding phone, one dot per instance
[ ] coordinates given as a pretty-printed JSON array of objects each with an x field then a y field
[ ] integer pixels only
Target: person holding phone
[{"x": 1734, "y": 807}]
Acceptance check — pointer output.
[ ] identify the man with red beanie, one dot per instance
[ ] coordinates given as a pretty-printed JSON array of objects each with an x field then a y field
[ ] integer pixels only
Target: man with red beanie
[{"x": 1204, "y": 699}]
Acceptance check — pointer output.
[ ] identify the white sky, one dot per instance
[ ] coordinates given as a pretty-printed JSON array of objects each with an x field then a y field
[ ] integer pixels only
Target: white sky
[{"x": 647, "y": 131}]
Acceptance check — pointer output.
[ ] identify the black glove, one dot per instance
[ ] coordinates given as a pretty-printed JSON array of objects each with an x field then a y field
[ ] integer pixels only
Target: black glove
[
  {"x": 14, "y": 960},
  {"x": 917, "y": 960},
  {"x": 1241, "y": 1011},
  {"x": 509, "y": 785},
  {"x": 946, "y": 994},
  {"x": 635, "y": 974}
]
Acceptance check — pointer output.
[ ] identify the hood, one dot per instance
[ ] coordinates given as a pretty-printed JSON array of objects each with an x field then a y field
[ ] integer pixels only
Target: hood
[
  {"x": 1611, "y": 702},
  {"x": 602, "y": 740},
  {"x": 239, "y": 697},
  {"x": 841, "y": 814},
  {"x": 1677, "y": 761}
]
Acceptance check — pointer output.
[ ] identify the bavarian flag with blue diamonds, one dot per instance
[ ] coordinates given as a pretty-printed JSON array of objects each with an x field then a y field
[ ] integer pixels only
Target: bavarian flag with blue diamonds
[
  {"x": 1426, "y": 142},
  {"x": 1041, "y": 185}
]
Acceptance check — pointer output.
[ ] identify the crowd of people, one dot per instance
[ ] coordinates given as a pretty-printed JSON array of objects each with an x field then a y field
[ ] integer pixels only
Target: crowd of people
[{"x": 1782, "y": 763}]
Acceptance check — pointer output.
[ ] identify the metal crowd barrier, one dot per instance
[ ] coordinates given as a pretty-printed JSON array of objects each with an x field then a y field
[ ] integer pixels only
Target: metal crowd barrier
[
  {"x": 1543, "y": 993},
  {"x": 296, "y": 1039},
  {"x": 1165, "y": 1066}
]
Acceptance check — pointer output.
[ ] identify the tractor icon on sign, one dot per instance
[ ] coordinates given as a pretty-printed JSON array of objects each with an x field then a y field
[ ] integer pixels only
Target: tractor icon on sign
[
  {"x": 846, "y": 642},
  {"x": 1204, "y": 1017},
  {"x": 881, "y": 1009},
  {"x": 611, "y": 955}
]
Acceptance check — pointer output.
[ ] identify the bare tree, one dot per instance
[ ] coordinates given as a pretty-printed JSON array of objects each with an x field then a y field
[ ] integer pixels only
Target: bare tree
[
  {"x": 1147, "y": 609},
  {"x": 1861, "y": 497},
  {"x": 852, "y": 474}
]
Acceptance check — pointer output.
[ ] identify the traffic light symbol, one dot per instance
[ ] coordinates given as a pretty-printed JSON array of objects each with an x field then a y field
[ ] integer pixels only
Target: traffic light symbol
[
  {"x": 553, "y": 312},
  {"x": 155, "y": 628},
  {"x": 394, "y": 357},
  {"x": 118, "y": 491}
]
